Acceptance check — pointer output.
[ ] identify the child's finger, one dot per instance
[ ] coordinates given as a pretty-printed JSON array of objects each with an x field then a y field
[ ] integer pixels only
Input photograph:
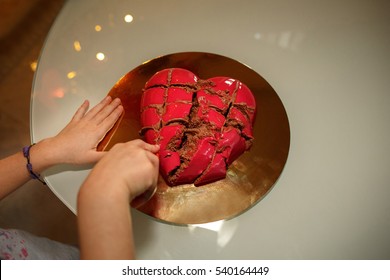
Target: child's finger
[
  {"x": 146, "y": 146},
  {"x": 81, "y": 111},
  {"x": 95, "y": 110},
  {"x": 106, "y": 111},
  {"x": 110, "y": 121}
]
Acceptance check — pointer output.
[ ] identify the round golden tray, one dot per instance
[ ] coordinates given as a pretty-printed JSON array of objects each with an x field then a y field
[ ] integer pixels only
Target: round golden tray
[{"x": 248, "y": 179}]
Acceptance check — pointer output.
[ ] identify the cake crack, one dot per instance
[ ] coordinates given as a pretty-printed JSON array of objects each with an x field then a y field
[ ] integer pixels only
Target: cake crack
[{"x": 202, "y": 126}]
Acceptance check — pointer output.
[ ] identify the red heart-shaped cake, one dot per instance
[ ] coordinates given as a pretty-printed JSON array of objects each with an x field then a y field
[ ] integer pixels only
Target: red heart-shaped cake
[{"x": 202, "y": 126}]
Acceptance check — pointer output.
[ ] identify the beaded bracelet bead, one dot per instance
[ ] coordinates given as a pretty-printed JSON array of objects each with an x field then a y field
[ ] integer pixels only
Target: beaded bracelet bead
[{"x": 33, "y": 175}]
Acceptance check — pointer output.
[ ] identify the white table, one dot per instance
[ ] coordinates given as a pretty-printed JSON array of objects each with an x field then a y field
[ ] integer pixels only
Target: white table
[{"x": 329, "y": 63}]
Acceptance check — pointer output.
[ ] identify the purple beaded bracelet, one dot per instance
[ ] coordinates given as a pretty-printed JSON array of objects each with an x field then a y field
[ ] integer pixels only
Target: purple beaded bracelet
[{"x": 33, "y": 175}]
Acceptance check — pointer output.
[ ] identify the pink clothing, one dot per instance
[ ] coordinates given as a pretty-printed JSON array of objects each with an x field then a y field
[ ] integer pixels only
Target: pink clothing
[{"x": 21, "y": 245}]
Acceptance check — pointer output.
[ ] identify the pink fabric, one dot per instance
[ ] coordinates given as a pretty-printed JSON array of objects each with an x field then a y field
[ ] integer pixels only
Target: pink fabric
[{"x": 21, "y": 245}]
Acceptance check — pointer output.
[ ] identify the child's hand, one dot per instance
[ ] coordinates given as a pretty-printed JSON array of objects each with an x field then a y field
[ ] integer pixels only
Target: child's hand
[
  {"x": 104, "y": 219},
  {"x": 77, "y": 142},
  {"x": 131, "y": 168}
]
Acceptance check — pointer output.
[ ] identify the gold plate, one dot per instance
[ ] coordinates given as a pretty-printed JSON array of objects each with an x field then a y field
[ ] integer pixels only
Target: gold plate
[{"x": 248, "y": 179}]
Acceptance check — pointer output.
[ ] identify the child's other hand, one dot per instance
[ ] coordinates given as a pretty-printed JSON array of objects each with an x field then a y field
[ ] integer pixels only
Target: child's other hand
[
  {"x": 103, "y": 202},
  {"x": 130, "y": 167},
  {"x": 77, "y": 142}
]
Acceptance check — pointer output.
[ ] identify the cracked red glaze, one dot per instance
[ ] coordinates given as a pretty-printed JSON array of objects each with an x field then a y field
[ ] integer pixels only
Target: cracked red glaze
[{"x": 202, "y": 126}]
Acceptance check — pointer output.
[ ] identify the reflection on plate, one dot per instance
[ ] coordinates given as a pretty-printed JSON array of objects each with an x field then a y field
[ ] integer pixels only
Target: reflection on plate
[{"x": 248, "y": 179}]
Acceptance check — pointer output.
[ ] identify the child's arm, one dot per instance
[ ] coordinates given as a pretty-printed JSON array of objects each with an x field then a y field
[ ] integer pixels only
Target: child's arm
[
  {"x": 104, "y": 220},
  {"x": 75, "y": 144}
]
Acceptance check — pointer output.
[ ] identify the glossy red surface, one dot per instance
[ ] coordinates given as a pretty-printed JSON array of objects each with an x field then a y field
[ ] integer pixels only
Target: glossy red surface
[{"x": 202, "y": 126}]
